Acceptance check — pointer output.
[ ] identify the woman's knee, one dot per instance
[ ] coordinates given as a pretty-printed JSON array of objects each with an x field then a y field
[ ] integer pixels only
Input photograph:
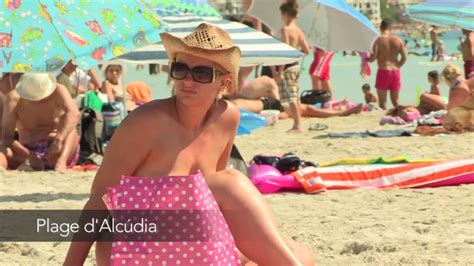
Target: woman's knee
[
  {"x": 301, "y": 251},
  {"x": 231, "y": 178},
  {"x": 228, "y": 183}
]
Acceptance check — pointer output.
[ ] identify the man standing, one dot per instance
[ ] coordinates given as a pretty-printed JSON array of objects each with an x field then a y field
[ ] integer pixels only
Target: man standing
[
  {"x": 434, "y": 43},
  {"x": 386, "y": 49},
  {"x": 46, "y": 117},
  {"x": 467, "y": 50}
]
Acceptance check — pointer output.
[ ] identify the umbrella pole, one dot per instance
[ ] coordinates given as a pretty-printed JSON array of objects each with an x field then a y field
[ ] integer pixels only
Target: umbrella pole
[
  {"x": 85, "y": 92},
  {"x": 124, "y": 101}
]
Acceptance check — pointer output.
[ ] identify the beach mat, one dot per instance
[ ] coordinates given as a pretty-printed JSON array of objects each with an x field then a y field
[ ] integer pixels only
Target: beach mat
[
  {"x": 375, "y": 160},
  {"x": 385, "y": 176},
  {"x": 398, "y": 172}
]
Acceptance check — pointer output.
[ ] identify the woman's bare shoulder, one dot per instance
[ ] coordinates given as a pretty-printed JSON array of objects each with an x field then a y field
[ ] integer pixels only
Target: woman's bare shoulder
[{"x": 230, "y": 110}]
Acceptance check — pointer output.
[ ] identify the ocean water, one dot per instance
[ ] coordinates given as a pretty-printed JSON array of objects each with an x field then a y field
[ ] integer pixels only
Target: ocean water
[{"x": 345, "y": 76}]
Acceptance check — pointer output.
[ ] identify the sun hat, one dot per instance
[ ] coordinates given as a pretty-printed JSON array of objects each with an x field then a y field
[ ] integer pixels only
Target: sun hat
[
  {"x": 104, "y": 65},
  {"x": 35, "y": 86},
  {"x": 209, "y": 42}
]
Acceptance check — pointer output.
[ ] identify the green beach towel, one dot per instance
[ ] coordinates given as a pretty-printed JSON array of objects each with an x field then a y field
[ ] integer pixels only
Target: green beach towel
[
  {"x": 376, "y": 160},
  {"x": 93, "y": 101}
]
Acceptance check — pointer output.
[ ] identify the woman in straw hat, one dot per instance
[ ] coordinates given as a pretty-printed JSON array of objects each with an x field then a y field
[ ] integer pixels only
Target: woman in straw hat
[{"x": 192, "y": 132}]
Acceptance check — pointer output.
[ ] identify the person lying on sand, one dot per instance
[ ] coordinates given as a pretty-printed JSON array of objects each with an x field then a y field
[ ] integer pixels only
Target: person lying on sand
[
  {"x": 307, "y": 110},
  {"x": 260, "y": 87},
  {"x": 193, "y": 132}
]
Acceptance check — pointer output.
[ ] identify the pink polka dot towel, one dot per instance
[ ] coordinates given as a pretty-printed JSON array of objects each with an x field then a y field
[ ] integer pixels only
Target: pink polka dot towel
[{"x": 171, "y": 220}]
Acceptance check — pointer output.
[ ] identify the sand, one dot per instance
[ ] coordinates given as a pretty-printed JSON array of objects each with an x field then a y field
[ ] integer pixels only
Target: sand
[{"x": 411, "y": 226}]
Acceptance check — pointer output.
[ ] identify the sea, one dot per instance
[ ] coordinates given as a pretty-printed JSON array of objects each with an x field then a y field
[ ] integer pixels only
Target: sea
[{"x": 345, "y": 73}]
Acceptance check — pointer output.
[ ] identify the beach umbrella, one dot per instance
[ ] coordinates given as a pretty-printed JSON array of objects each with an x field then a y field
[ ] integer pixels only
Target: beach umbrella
[
  {"x": 444, "y": 13},
  {"x": 180, "y": 7},
  {"x": 331, "y": 25},
  {"x": 42, "y": 35},
  {"x": 257, "y": 47}
]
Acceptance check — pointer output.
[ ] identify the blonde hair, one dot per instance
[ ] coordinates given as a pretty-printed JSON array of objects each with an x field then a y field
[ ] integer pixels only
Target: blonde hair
[{"x": 451, "y": 72}]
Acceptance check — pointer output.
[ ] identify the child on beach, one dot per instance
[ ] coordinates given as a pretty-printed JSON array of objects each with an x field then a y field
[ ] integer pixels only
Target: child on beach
[
  {"x": 433, "y": 79},
  {"x": 369, "y": 97},
  {"x": 287, "y": 76},
  {"x": 185, "y": 140}
]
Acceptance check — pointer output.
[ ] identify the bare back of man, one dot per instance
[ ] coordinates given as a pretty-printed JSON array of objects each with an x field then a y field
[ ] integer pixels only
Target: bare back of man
[{"x": 388, "y": 48}]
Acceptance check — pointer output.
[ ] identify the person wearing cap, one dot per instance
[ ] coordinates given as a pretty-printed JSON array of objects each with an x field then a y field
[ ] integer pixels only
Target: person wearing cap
[
  {"x": 193, "y": 132},
  {"x": 63, "y": 78},
  {"x": 46, "y": 117}
]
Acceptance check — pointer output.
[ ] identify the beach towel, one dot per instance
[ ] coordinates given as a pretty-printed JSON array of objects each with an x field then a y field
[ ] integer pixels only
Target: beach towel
[
  {"x": 139, "y": 92},
  {"x": 411, "y": 175},
  {"x": 383, "y": 174},
  {"x": 365, "y": 70},
  {"x": 367, "y": 133},
  {"x": 376, "y": 160},
  {"x": 191, "y": 228}
]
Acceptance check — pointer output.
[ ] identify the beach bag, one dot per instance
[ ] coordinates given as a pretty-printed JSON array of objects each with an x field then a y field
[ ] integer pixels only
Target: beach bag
[
  {"x": 93, "y": 101},
  {"x": 313, "y": 97},
  {"x": 113, "y": 113},
  {"x": 91, "y": 143},
  {"x": 287, "y": 163}
]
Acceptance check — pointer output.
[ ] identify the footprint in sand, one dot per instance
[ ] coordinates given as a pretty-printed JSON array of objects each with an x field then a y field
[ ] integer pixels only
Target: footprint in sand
[
  {"x": 355, "y": 248},
  {"x": 422, "y": 230}
]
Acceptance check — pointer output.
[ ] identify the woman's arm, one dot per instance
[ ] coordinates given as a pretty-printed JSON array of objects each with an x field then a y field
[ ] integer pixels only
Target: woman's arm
[
  {"x": 107, "y": 89},
  {"x": 230, "y": 123},
  {"x": 128, "y": 140}
]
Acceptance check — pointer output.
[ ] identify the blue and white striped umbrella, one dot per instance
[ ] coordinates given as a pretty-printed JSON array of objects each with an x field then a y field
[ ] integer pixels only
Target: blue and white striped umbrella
[
  {"x": 257, "y": 47},
  {"x": 444, "y": 13}
]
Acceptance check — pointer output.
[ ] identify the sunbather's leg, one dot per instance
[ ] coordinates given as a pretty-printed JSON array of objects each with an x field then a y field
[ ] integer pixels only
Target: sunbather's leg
[
  {"x": 311, "y": 111},
  {"x": 433, "y": 101},
  {"x": 251, "y": 222}
]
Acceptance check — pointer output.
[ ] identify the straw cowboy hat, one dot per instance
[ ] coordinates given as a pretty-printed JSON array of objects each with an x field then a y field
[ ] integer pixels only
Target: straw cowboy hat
[
  {"x": 35, "y": 86},
  {"x": 208, "y": 42}
]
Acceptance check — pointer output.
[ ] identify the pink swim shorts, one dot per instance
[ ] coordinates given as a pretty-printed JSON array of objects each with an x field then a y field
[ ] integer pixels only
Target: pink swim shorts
[{"x": 388, "y": 80}]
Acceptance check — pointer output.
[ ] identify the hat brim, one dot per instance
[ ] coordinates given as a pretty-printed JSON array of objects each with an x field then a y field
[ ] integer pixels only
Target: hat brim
[
  {"x": 175, "y": 45},
  {"x": 27, "y": 95}
]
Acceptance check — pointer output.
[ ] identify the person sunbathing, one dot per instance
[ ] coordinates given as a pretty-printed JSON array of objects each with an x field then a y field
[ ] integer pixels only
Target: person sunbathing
[
  {"x": 193, "y": 132},
  {"x": 458, "y": 92},
  {"x": 307, "y": 110},
  {"x": 260, "y": 87}
]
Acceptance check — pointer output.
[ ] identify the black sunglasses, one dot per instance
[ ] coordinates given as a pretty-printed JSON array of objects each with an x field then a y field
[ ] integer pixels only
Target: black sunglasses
[{"x": 201, "y": 74}]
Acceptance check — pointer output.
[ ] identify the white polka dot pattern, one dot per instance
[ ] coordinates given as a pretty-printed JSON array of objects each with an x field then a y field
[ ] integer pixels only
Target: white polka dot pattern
[{"x": 192, "y": 235}]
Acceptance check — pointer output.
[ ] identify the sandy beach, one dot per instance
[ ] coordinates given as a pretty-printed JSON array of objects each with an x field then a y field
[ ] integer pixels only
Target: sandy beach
[{"x": 412, "y": 226}]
